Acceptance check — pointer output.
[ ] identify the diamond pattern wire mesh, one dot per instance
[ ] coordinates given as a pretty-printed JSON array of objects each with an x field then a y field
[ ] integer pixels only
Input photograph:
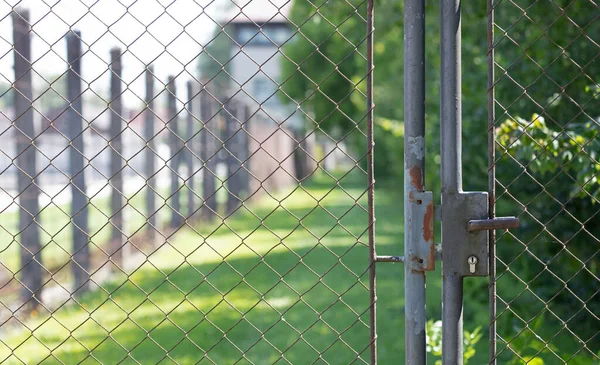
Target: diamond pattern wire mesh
[
  {"x": 546, "y": 158},
  {"x": 180, "y": 185}
]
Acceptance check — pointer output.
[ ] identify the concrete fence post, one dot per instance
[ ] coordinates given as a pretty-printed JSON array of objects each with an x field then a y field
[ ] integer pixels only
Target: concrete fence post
[
  {"x": 150, "y": 155},
  {"x": 208, "y": 154},
  {"x": 28, "y": 193},
  {"x": 116, "y": 160},
  {"x": 175, "y": 147},
  {"x": 190, "y": 157},
  {"x": 79, "y": 202},
  {"x": 233, "y": 147}
]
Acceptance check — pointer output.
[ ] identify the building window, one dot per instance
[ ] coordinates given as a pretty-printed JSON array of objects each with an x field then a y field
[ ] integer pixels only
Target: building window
[
  {"x": 250, "y": 34},
  {"x": 263, "y": 89},
  {"x": 246, "y": 34}
]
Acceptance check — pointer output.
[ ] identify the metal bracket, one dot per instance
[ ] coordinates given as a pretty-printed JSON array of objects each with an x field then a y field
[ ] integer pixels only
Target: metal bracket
[
  {"x": 420, "y": 225},
  {"x": 468, "y": 246},
  {"x": 420, "y": 228}
]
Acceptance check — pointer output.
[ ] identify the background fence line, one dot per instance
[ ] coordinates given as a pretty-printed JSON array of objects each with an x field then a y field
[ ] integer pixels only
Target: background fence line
[
  {"x": 257, "y": 157},
  {"x": 139, "y": 198}
]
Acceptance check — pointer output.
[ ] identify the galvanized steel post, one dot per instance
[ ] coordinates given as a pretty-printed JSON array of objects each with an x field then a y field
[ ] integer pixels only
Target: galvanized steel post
[{"x": 414, "y": 168}]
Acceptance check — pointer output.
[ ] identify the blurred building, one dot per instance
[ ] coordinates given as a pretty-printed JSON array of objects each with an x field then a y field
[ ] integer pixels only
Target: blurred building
[{"x": 261, "y": 29}]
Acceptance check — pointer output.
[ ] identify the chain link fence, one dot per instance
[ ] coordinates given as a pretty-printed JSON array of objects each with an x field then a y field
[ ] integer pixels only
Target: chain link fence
[
  {"x": 545, "y": 292},
  {"x": 185, "y": 182}
]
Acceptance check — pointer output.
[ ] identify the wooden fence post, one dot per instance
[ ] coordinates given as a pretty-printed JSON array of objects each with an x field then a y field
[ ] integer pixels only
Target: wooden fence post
[
  {"x": 150, "y": 156},
  {"x": 79, "y": 202},
  {"x": 175, "y": 147},
  {"x": 116, "y": 161},
  {"x": 31, "y": 255}
]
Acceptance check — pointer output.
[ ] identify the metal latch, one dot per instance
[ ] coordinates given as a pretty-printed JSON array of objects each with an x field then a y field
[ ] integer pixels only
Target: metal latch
[
  {"x": 493, "y": 224},
  {"x": 466, "y": 236}
]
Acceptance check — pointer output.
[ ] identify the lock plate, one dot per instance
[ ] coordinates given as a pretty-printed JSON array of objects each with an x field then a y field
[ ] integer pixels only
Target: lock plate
[{"x": 458, "y": 244}]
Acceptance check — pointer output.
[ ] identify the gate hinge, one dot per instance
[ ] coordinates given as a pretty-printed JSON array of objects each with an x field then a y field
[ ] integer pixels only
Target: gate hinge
[
  {"x": 422, "y": 254},
  {"x": 419, "y": 224}
]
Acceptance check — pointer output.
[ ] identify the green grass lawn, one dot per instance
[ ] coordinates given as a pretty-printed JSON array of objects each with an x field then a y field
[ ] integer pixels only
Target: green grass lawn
[
  {"x": 56, "y": 231},
  {"x": 283, "y": 282}
]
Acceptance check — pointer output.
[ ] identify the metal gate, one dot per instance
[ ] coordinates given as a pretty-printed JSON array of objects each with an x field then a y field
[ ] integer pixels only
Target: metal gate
[
  {"x": 186, "y": 182},
  {"x": 542, "y": 167}
]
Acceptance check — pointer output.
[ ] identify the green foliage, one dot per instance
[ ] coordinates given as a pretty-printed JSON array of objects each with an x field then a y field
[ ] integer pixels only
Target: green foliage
[
  {"x": 324, "y": 64},
  {"x": 548, "y": 165},
  {"x": 433, "y": 330},
  {"x": 389, "y": 146},
  {"x": 529, "y": 344},
  {"x": 6, "y": 96},
  {"x": 554, "y": 172},
  {"x": 572, "y": 150},
  {"x": 326, "y": 70},
  {"x": 213, "y": 61},
  {"x": 53, "y": 93}
]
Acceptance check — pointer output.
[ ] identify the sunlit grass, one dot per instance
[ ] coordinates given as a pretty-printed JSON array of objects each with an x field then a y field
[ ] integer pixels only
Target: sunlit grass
[
  {"x": 56, "y": 230},
  {"x": 284, "y": 278}
]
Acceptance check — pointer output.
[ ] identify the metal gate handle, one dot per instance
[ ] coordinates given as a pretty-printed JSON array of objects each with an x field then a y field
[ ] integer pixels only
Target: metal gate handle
[{"x": 493, "y": 224}]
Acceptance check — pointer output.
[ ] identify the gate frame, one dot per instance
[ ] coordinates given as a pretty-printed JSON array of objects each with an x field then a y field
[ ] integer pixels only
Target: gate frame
[{"x": 468, "y": 218}]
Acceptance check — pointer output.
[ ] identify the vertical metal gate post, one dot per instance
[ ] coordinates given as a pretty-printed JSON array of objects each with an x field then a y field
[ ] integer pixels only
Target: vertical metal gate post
[
  {"x": 465, "y": 215},
  {"x": 451, "y": 153},
  {"x": 491, "y": 180},
  {"x": 414, "y": 168}
]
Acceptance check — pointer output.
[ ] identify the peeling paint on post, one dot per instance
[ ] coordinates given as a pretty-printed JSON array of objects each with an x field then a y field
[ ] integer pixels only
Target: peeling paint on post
[
  {"x": 419, "y": 215},
  {"x": 416, "y": 178}
]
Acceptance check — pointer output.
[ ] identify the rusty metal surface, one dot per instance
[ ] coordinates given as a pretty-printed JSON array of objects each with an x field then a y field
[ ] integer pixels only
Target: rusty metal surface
[
  {"x": 421, "y": 254},
  {"x": 414, "y": 182}
]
